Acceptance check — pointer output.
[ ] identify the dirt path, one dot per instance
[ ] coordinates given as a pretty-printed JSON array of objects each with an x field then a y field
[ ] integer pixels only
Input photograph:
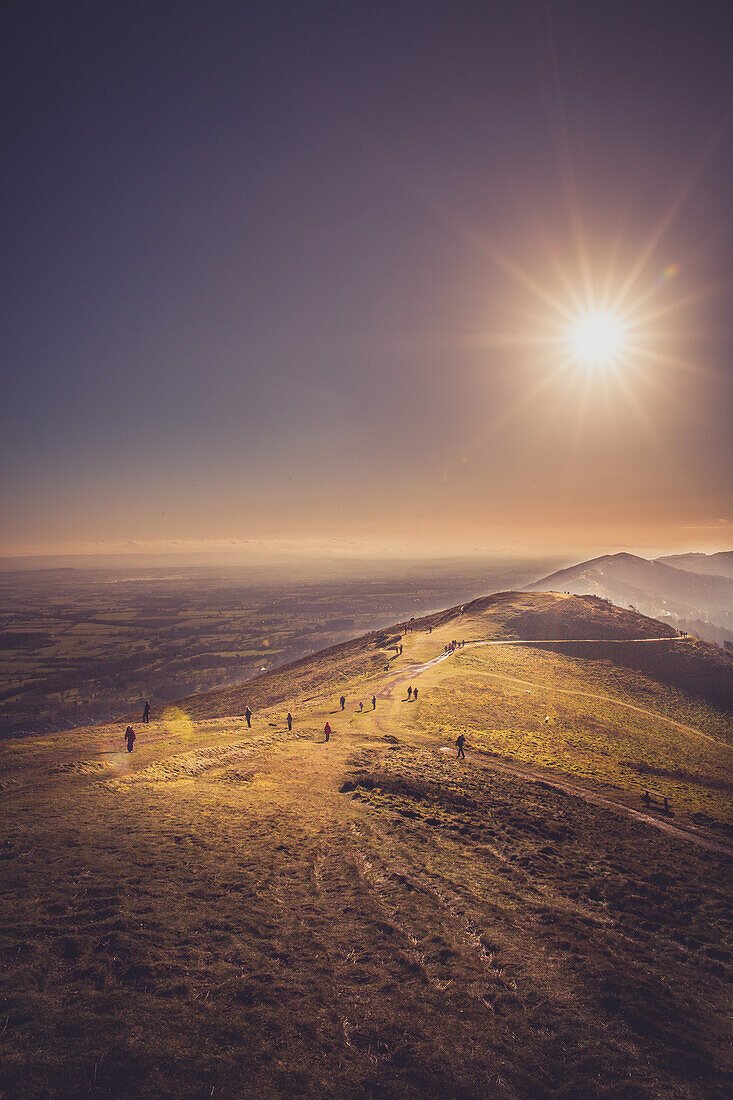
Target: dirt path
[
  {"x": 595, "y": 799},
  {"x": 589, "y": 796},
  {"x": 417, "y": 670}
]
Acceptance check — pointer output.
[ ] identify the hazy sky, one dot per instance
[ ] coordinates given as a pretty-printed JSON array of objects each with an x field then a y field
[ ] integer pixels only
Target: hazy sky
[{"x": 298, "y": 271}]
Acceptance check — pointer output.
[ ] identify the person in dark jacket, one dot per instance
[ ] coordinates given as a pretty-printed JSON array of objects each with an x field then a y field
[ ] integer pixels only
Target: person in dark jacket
[
  {"x": 248, "y": 716},
  {"x": 374, "y": 702},
  {"x": 129, "y": 738},
  {"x": 289, "y": 720},
  {"x": 460, "y": 741},
  {"x": 342, "y": 701},
  {"x": 146, "y": 712}
]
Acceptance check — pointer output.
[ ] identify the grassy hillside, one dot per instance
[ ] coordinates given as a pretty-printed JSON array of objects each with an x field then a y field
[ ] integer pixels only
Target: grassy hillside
[{"x": 231, "y": 912}]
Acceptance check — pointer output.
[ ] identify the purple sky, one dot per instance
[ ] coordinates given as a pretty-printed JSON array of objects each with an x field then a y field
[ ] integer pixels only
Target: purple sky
[{"x": 259, "y": 257}]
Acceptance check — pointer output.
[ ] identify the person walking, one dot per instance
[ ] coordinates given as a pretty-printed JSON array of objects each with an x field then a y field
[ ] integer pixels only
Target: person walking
[
  {"x": 361, "y": 705},
  {"x": 248, "y": 716},
  {"x": 374, "y": 702},
  {"x": 289, "y": 720},
  {"x": 409, "y": 693},
  {"x": 129, "y": 738},
  {"x": 342, "y": 701},
  {"x": 327, "y": 731},
  {"x": 414, "y": 695},
  {"x": 460, "y": 741},
  {"x": 146, "y": 712}
]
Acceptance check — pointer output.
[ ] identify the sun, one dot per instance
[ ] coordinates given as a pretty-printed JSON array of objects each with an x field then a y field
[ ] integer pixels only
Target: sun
[{"x": 597, "y": 339}]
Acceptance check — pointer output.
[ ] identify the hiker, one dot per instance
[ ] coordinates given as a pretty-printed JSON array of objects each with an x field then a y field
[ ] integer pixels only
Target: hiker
[
  {"x": 414, "y": 695},
  {"x": 342, "y": 701},
  {"x": 409, "y": 693},
  {"x": 361, "y": 705},
  {"x": 129, "y": 738},
  {"x": 327, "y": 731},
  {"x": 248, "y": 716},
  {"x": 289, "y": 720},
  {"x": 460, "y": 741},
  {"x": 146, "y": 712},
  {"x": 374, "y": 702},
  {"x": 400, "y": 651}
]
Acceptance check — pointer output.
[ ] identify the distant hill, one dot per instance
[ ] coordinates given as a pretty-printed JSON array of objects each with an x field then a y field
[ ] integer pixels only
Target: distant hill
[
  {"x": 717, "y": 565},
  {"x": 696, "y": 602}
]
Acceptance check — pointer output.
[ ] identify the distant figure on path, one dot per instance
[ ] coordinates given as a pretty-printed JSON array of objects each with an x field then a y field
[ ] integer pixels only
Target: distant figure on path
[
  {"x": 327, "y": 731},
  {"x": 146, "y": 712},
  {"x": 361, "y": 705},
  {"x": 414, "y": 694},
  {"x": 129, "y": 738},
  {"x": 460, "y": 741},
  {"x": 374, "y": 702},
  {"x": 342, "y": 701},
  {"x": 409, "y": 693},
  {"x": 289, "y": 720},
  {"x": 248, "y": 716}
]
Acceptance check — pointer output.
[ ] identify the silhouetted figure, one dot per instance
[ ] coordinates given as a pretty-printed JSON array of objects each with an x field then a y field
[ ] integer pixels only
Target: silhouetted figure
[
  {"x": 646, "y": 797},
  {"x": 130, "y": 738},
  {"x": 327, "y": 731},
  {"x": 146, "y": 712},
  {"x": 400, "y": 651},
  {"x": 409, "y": 693},
  {"x": 374, "y": 702},
  {"x": 289, "y": 720},
  {"x": 342, "y": 700},
  {"x": 248, "y": 716},
  {"x": 414, "y": 694},
  {"x": 460, "y": 741},
  {"x": 361, "y": 706}
]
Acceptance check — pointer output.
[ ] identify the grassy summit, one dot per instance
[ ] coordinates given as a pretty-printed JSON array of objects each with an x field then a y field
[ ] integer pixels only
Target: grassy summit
[{"x": 231, "y": 912}]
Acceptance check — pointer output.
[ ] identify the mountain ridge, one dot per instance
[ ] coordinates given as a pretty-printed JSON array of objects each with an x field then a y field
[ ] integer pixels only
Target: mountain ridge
[{"x": 656, "y": 588}]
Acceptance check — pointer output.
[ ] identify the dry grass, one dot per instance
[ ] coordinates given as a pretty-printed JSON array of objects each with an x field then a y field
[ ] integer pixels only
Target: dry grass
[{"x": 249, "y": 913}]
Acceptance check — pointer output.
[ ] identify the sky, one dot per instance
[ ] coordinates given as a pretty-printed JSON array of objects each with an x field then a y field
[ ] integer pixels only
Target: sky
[{"x": 311, "y": 274}]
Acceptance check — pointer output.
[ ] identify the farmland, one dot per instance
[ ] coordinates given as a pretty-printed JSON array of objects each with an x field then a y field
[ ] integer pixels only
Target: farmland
[{"x": 79, "y": 646}]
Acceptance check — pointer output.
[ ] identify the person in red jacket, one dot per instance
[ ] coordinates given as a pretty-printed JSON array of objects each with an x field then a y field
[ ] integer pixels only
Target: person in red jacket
[
  {"x": 129, "y": 738},
  {"x": 327, "y": 731}
]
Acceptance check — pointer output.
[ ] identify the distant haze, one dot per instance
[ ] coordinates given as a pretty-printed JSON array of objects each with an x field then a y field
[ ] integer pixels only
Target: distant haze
[{"x": 263, "y": 278}]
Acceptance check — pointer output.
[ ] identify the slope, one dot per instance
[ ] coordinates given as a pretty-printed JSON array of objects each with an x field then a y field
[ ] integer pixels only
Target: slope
[
  {"x": 717, "y": 565},
  {"x": 232, "y": 912},
  {"x": 655, "y": 588}
]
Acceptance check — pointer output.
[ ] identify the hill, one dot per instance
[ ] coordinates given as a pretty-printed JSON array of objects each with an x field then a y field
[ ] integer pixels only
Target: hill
[
  {"x": 717, "y": 565},
  {"x": 694, "y": 602},
  {"x": 237, "y": 912}
]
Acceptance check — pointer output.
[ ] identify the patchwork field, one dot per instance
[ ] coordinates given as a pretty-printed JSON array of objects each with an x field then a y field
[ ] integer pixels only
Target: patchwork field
[
  {"x": 81, "y": 646},
  {"x": 236, "y": 912}
]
